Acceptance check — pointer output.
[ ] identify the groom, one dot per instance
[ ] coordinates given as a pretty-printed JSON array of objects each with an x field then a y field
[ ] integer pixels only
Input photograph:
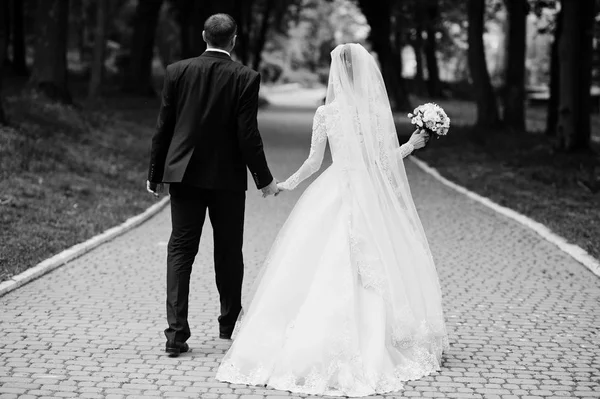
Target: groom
[{"x": 206, "y": 136}]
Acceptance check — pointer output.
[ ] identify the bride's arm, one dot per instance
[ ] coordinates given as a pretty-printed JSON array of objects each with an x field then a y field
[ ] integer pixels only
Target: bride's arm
[
  {"x": 313, "y": 163},
  {"x": 406, "y": 149},
  {"x": 417, "y": 140}
]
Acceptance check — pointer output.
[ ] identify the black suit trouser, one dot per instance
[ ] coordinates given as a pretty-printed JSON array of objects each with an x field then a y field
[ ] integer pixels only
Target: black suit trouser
[{"x": 188, "y": 212}]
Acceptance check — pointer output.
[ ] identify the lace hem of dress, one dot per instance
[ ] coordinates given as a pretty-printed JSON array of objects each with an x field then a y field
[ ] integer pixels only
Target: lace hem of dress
[
  {"x": 415, "y": 347},
  {"x": 344, "y": 377}
]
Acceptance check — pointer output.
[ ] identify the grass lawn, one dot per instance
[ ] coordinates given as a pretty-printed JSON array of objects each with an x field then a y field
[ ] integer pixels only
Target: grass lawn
[
  {"x": 69, "y": 173},
  {"x": 520, "y": 170}
]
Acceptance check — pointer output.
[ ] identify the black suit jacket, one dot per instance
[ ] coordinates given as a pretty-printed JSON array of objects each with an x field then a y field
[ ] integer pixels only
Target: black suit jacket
[{"x": 207, "y": 132}]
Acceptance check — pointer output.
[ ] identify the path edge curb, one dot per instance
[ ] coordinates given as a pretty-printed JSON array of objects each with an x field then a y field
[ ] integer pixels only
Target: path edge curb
[
  {"x": 80, "y": 249},
  {"x": 575, "y": 251}
]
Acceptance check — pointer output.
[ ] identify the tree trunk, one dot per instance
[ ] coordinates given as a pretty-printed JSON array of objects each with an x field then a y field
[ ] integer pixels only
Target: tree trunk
[
  {"x": 487, "y": 109},
  {"x": 19, "y": 63},
  {"x": 49, "y": 74},
  {"x": 391, "y": 70},
  {"x": 514, "y": 96},
  {"x": 97, "y": 71},
  {"x": 138, "y": 78},
  {"x": 78, "y": 25},
  {"x": 184, "y": 37},
  {"x": 262, "y": 35},
  {"x": 575, "y": 58},
  {"x": 3, "y": 41},
  {"x": 243, "y": 17},
  {"x": 378, "y": 15},
  {"x": 280, "y": 22},
  {"x": 6, "y": 22},
  {"x": 433, "y": 74},
  {"x": 417, "y": 45},
  {"x": 553, "y": 102},
  {"x": 185, "y": 9},
  {"x": 202, "y": 10}
]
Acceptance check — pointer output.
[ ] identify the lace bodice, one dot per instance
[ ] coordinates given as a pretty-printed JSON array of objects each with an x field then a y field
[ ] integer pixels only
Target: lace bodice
[{"x": 325, "y": 126}]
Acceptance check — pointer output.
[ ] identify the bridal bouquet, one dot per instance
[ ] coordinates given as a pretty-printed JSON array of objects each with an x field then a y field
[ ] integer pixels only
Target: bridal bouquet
[{"x": 432, "y": 118}]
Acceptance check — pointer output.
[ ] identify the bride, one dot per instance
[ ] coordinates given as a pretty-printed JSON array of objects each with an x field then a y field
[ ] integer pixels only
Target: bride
[{"x": 348, "y": 302}]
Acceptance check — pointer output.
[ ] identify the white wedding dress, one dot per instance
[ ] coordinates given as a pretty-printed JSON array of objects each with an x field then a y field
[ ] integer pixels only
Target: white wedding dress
[{"x": 348, "y": 302}]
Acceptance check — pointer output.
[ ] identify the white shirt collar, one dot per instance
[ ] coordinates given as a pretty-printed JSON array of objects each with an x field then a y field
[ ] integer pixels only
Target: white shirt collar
[{"x": 218, "y": 50}]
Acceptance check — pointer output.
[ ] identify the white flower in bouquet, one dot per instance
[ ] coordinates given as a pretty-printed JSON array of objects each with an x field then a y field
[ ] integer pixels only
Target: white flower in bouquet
[
  {"x": 432, "y": 118},
  {"x": 431, "y": 115},
  {"x": 417, "y": 121}
]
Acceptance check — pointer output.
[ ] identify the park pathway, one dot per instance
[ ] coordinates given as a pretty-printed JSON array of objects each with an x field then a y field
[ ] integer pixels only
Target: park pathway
[{"x": 523, "y": 317}]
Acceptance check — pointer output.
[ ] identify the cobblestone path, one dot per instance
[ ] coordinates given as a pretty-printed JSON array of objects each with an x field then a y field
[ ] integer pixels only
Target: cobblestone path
[{"x": 524, "y": 318}]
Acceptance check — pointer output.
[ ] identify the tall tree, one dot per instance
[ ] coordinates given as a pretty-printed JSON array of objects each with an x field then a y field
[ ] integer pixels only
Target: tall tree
[
  {"x": 417, "y": 45},
  {"x": 49, "y": 73},
  {"x": 553, "y": 102},
  {"x": 184, "y": 14},
  {"x": 19, "y": 63},
  {"x": 487, "y": 108},
  {"x": 202, "y": 10},
  {"x": 6, "y": 22},
  {"x": 409, "y": 27},
  {"x": 262, "y": 34},
  {"x": 79, "y": 27},
  {"x": 3, "y": 40},
  {"x": 97, "y": 71},
  {"x": 431, "y": 12},
  {"x": 575, "y": 71},
  {"x": 514, "y": 90},
  {"x": 378, "y": 14},
  {"x": 138, "y": 77},
  {"x": 243, "y": 17}
]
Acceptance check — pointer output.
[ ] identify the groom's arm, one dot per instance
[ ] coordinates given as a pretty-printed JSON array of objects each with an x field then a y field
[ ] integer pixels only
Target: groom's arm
[
  {"x": 249, "y": 138},
  {"x": 165, "y": 126}
]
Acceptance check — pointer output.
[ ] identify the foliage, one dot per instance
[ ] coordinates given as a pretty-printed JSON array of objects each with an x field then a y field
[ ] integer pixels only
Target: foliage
[
  {"x": 68, "y": 174},
  {"x": 308, "y": 33},
  {"x": 301, "y": 33}
]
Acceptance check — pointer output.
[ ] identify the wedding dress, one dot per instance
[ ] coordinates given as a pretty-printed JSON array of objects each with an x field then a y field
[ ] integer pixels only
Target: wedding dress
[{"x": 348, "y": 301}]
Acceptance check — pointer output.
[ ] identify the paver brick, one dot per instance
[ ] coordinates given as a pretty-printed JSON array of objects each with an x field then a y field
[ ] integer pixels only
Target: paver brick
[{"x": 8, "y": 390}]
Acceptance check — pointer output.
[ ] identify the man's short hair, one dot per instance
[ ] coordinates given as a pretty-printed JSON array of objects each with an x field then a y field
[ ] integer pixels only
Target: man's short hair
[{"x": 219, "y": 30}]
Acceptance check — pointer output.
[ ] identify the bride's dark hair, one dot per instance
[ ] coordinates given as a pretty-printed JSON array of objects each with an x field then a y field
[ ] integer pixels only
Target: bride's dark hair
[{"x": 347, "y": 58}]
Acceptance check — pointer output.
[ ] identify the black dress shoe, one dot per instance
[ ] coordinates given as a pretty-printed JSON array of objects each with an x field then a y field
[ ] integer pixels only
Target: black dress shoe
[
  {"x": 224, "y": 336},
  {"x": 174, "y": 349}
]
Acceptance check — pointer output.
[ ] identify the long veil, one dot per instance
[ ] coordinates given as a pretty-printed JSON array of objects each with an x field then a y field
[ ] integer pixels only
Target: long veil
[{"x": 391, "y": 257}]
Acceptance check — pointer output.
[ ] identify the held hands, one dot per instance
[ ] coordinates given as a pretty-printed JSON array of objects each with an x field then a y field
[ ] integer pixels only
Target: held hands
[
  {"x": 419, "y": 138},
  {"x": 271, "y": 189},
  {"x": 154, "y": 188},
  {"x": 281, "y": 187}
]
